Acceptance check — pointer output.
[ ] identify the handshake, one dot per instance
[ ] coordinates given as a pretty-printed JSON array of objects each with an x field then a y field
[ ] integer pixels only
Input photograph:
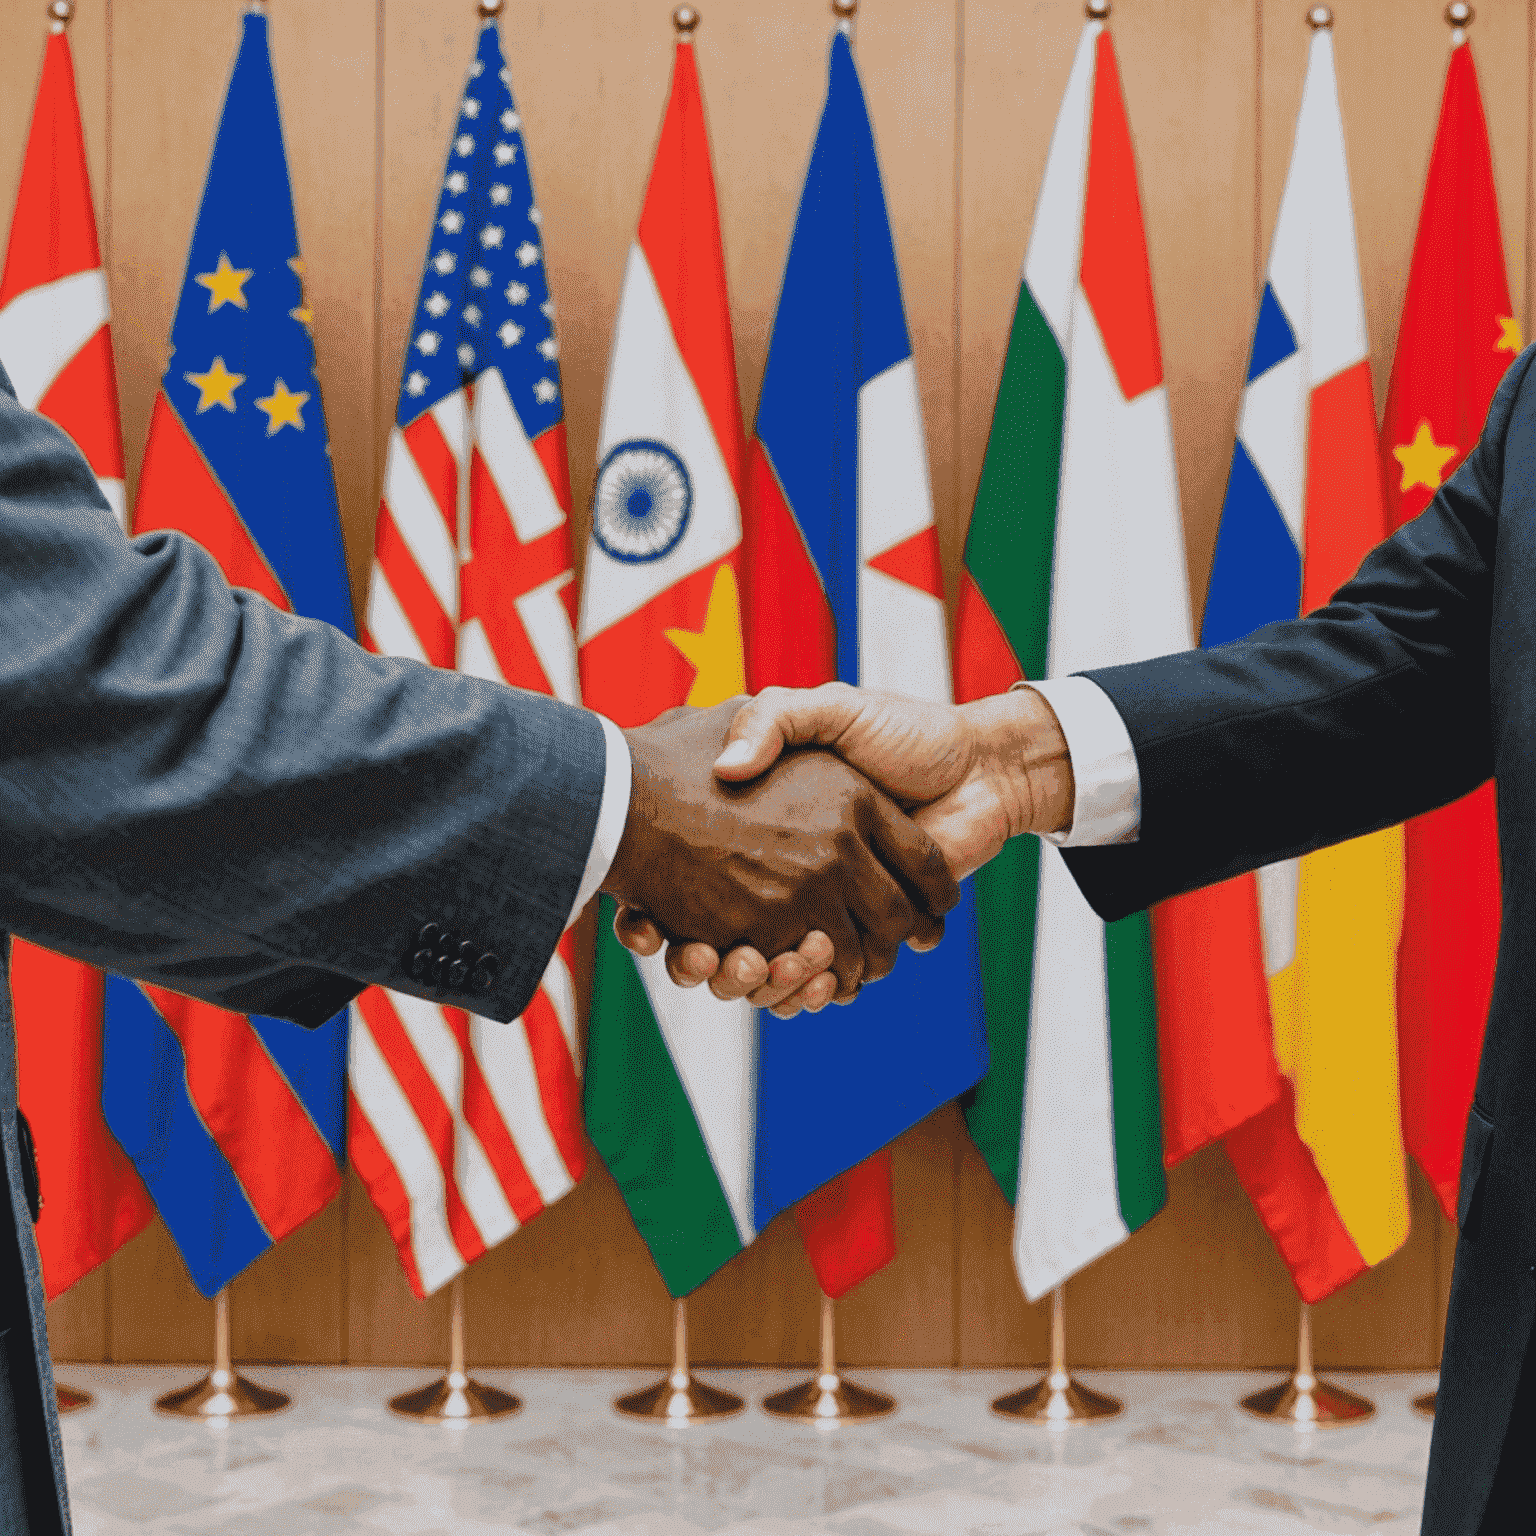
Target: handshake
[{"x": 784, "y": 847}]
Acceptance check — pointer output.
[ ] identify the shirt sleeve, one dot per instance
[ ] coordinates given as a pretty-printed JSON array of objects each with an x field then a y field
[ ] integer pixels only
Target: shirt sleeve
[
  {"x": 612, "y": 815},
  {"x": 1104, "y": 770}
]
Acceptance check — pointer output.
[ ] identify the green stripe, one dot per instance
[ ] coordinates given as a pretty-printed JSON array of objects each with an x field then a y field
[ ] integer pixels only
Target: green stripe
[
  {"x": 1012, "y": 537},
  {"x": 1009, "y": 551},
  {"x": 1133, "y": 1068},
  {"x": 641, "y": 1122}
]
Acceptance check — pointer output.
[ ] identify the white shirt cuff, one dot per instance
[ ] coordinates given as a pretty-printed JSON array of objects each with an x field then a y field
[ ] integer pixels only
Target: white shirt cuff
[
  {"x": 612, "y": 817},
  {"x": 1106, "y": 778}
]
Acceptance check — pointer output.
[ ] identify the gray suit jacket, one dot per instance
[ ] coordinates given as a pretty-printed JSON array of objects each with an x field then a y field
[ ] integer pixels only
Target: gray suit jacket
[{"x": 205, "y": 793}]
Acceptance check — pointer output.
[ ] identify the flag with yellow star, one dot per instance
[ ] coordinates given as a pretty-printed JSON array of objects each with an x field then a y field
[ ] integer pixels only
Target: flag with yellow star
[
  {"x": 237, "y": 459},
  {"x": 1458, "y": 335}
]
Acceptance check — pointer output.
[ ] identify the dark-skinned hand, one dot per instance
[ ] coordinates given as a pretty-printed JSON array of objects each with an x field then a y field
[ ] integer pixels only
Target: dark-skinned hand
[{"x": 811, "y": 846}]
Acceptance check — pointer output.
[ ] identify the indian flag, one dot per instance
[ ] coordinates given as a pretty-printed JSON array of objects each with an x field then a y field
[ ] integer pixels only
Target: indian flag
[
  {"x": 1075, "y": 559},
  {"x": 671, "y": 1086}
]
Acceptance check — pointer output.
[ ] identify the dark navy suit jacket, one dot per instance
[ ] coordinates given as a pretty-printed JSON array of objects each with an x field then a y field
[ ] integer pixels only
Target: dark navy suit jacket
[
  {"x": 206, "y": 793},
  {"x": 1414, "y": 685}
]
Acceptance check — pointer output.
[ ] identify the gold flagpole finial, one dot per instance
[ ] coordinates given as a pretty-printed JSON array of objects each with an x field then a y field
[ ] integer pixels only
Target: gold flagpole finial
[
  {"x": 1458, "y": 17},
  {"x": 685, "y": 22},
  {"x": 845, "y": 11},
  {"x": 1320, "y": 18},
  {"x": 60, "y": 14},
  {"x": 490, "y": 9},
  {"x": 1097, "y": 10}
]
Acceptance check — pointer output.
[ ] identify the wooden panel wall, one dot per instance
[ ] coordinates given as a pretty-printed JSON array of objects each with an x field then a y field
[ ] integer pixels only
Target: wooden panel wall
[{"x": 963, "y": 94}]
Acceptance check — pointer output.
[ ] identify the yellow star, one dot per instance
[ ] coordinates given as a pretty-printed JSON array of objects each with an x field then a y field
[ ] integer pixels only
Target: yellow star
[
  {"x": 1423, "y": 459},
  {"x": 1510, "y": 339},
  {"x": 716, "y": 650},
  {"x": 225, "y": 284},
  {"x": 216, "y": 387},
  {"x": 282, "y": 407}
]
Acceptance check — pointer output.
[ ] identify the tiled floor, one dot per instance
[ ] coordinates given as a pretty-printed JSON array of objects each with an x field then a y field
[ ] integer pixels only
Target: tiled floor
[{"x": 1182, "y": 1461}]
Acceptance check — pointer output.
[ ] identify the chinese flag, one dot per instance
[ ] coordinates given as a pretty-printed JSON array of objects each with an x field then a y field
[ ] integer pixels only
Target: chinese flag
[{"x": 1458, "y": 335}]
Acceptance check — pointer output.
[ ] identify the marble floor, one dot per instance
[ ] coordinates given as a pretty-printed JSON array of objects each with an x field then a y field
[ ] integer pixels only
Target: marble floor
[{"x": 1182, "y": 1460}]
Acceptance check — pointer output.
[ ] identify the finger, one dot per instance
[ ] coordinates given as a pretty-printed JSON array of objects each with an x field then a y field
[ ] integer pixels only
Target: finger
[
  {"x": 690, "y": 964},
  {"x": 911, "y": 855},
  {"x": 879, "y": 906},
  {"x": 741, "y": 971},
  {"x": 847, "y": 952},
  {"x": 927, "y": 934},
  {"x": 812, "y": 997},
  {"x": 789, "y": 973},
  {"x": 636, "y": 932},
  {"x": 785, "y": 717}
]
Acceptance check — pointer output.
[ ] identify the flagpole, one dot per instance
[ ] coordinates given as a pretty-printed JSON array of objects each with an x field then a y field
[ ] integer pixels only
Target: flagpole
[
  {"x": 679, "y": 1397},
  {"x": 455, "y": 1397},
  {"x": 1056, "y": 1400},
  {"x": 826, "y": 1399},
  {"x": 1303, "y": 1400},
  {"x": 223, "y": 1394}
]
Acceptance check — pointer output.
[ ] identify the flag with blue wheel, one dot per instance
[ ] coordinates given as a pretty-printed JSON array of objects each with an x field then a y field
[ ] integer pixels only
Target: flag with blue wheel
[
  {"x": 237, "y": 1124},
  {"x": 843, "y": 581}
]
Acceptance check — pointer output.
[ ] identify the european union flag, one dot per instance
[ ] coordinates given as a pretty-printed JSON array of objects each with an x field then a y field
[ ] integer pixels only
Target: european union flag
[{"x": 237, "y": 1125}]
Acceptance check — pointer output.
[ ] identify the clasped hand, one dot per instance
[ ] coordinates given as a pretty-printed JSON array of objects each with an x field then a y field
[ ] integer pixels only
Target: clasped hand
[{"x": 814, "y": 863}]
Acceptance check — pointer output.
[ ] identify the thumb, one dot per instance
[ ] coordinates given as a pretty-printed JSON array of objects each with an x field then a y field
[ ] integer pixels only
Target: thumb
[{"x": 783, "y": 717}]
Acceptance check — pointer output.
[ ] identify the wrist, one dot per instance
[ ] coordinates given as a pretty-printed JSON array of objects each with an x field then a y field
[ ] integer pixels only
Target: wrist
[
  {"x": 1025, "y": 749},
  {"x": 623, "y": 879}
]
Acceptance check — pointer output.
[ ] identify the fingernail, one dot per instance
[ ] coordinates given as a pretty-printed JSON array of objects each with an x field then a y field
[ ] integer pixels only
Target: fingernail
[{"x": 737, "y": 755}]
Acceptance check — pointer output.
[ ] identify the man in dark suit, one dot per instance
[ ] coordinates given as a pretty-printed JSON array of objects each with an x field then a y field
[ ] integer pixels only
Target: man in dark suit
[
  {"x": 1415, "y": 684},
  {"x": 206, "y": 793}
]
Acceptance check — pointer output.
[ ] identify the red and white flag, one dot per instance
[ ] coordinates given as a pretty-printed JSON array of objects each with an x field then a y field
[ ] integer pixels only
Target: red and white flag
[
  {"x": 463, "y": 1128},
  {"x": 56, "y": 344}
]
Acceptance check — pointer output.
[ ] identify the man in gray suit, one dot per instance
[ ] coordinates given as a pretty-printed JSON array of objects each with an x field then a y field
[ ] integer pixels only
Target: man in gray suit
[{"x": 205, "y": 793}]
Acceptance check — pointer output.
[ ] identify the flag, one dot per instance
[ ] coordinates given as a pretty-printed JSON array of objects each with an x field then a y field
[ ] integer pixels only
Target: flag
[
  {"x": 463, "y": 1128},
  {"x": 56, "y": 343},
  {"x": 1324, "y": 1163},
  {"x": 236, "y": 1124},
  {"x": 1458, "y": 335},
  {"x": 843, "y": 581},
  {"x": 1074, "y": 559},
  {"x": 671, "y": 1094}
]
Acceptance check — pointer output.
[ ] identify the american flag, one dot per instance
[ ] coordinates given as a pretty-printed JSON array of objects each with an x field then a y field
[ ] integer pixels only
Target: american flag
[{"x": 464, "y": 1128}]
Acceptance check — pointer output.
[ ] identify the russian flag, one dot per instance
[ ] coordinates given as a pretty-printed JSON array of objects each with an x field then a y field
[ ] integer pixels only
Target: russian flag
[
  {"x": 842, "y": 580},
  {"x": 236, "y": 1124}
]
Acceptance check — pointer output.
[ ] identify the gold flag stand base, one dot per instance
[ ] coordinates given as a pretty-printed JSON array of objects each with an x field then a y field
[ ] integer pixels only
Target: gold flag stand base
[
  {"x": 826, "y": 1399},
  {"x": 456, "y": 1397},
  {"x": 1304, "y": 1401},
  {"x": 1056, "y": 1400},
  {"x": 223, "y": 1394},
  {"x": 71, "y": 1399},
  {"x": 678, "y": 1398},
  {"x": 1425, "y": 1404}
]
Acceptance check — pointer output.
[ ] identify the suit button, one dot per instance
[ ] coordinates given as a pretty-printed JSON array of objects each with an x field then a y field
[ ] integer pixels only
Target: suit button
[
  {"x": 428, "y": 936},
  {"x": 447, "y": 941},
  {"x": 419, "y": 963},
  {"x": 469, "y": 951},
  {"x": 486, "y": 971},
  {"x": 440, "y": 970},
  {"x": 458, "y": 973}
]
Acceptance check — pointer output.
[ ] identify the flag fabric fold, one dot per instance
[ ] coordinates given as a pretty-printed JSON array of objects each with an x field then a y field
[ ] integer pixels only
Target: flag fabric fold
[
  {"x": 1074, "y": 559},
  {"x": 462, "y": 1128},
  {"x": 236, "y": 1124},
  {"x": 671, "y": 1089},
  {"x": 1458, "y": 335},
  {"x": 56, "y": 344},
  {"x": 1324, "y": 1162}
]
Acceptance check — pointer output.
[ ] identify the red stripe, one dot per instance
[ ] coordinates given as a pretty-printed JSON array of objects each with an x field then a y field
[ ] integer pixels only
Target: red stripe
[
  {"x": 93, "y": 1199},
  {"x": 384, "y": 1188},
  {"x": 428, "y": 1106},
  {"x": 550, "y": 448},
  {"x": 849, "y": 1226},
  {"x": 484, "y": 1120},
  {"x": 914, "y": 561},
  {"x": 83, "y": 401},
  {"x": 680, "y": 235},
  {"x": 439, "y": 468},
  {"x": 1276, "y": 1168},
  {"x": 178, "y": 490},
  {"x": 282, "y": 1162},
  {"x": 1346, "y": 510},
  {"x": 1116, "y": 275},
  {"x": 985, "y": 662},
  {"x": 394, "y": 563},
  {"x": 53, "y": 229}
]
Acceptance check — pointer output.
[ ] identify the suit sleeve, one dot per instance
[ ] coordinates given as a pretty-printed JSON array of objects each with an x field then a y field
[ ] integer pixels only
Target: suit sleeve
[
  {"x": 199, "y": 790},
  {"x": 1373, "y": 709}
]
